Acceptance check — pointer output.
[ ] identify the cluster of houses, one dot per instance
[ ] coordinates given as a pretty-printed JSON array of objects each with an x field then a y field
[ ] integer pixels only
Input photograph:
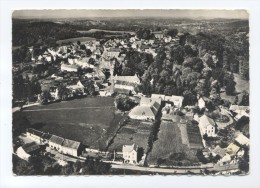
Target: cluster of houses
[
  {"x": 39, "y": 138},
  {"x": 100, "y": 63},
  {"x": 231, "y": 153},
  {"x": 98, "y": 58},
  {"x": 193, "y": 127}
]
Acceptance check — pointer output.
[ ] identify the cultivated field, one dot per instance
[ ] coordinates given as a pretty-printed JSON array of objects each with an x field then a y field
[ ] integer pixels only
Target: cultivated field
[
  {"x": 89, "y": 120},
  {"x": 134, "y": 132},
  {"x": 73, "y": 40},
  {"x": 169, "y": 145}
]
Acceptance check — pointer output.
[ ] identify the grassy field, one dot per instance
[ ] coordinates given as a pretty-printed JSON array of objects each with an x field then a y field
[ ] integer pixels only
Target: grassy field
[
  {"x": 134, "y": 132},
  {"x": 241, "y": 84},
  {"x": 73, "y": 40},
  {"x": 89, "y": 120},
  {"x": 169, "y": 143}
]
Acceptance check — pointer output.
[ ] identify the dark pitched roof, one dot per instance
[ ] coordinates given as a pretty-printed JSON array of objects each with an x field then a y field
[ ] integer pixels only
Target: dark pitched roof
[
  {"x": 56, "y": 139},
  {"x": 71, "y": 144},
  {"x": 35, "y": 132},
  {"x": 30, "y": 147},
  {"x": 46, "y": 136},
  {"x": 120, "y": 90}
]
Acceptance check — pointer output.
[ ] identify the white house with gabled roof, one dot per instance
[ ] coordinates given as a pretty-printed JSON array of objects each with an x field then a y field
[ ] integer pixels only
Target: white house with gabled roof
[
  {"x": 130, "y": 153},
  {"x": 207, "y": 126}
]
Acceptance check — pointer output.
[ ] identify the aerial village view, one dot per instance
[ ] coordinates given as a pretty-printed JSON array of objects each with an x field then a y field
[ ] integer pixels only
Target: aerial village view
[{"x": 140, "y": 95}]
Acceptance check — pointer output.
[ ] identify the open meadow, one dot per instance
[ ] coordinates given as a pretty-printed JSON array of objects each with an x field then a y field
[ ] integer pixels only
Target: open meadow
[
  {"x": 241, "y": 85},
  {"x": 89, "y": 120}
]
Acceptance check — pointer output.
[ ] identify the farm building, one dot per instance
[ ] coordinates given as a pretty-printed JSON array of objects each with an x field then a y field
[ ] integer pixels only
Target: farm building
[
  {"x": 129, "y": 79},
  {"x": 71, "y": 147},
  {"x": 147, "y": 110},
  {"x": 25, "y": 151},
  {"x": 34, "y": 135},
  {"x": 55, "y": 142},
  {"x": 176, "y": 100}
]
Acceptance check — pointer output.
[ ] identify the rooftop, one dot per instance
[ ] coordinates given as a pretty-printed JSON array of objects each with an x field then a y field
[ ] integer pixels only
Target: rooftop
[
  {"x": 35, "y": 132},
  {"x": 30, "y": 147},
  {"x": 71, "y": 144},
  {"x": 129, "y": 148},
  {"x": 241, "y": 139},
  {"x": 56, "y": 139}
]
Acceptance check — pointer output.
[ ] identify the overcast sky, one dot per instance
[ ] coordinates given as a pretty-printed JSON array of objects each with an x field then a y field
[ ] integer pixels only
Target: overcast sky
[{"x": 240, "y": 14}]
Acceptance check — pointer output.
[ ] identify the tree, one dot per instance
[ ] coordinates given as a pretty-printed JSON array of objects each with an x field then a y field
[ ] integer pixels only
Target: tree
[
  {"x": 144, "y": 33},
  {"x": 172, "y": 32},
  {"x": 22, "y": 167},
  {"x": 36, "y": 88},
  {"x": 160, "y": 161},
  {"x": 127, "y": 71},
  {"x": 244, "y": 68},
  {"x": 67, "y": 170},
  {"x": 242, "y": 122},
  {"x": 219, "y": 74},
  {"x": 201, "y": 157},
  {"x": 244, "y": 162},
  {"x": 91, "y": 166},
  {"x": 245, "y": 99},
  {"x": 124, "y": 103},
  {"x": 88, "y": 52},
  {"x": 63, "y": 92},
  {"x": 18, "y": 87},
  {"x": 77, "y": 166},
  {"x": 230, "y": 84},
  {"x": 20, "y": 123},
  {"x": 145, "y": 87},
  {"x": 190, "y": 98},
  {"x": 189, "y": 51},
  {"x": 177, "y": 54},
  {"x": 207, "y": 58},
  {"x": 44, "y": 97},
  {"x": 202, "y": 88}
]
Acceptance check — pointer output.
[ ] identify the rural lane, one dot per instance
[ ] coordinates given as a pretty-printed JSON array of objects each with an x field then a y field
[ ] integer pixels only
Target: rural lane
[
  {"x": 156, "y": 170},
  {"x": 55, "y": 109},
  {"x": 175, "y": 171}
]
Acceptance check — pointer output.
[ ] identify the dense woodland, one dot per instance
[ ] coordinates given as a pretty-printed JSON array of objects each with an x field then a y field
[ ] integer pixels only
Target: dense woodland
[{"x": 201, "y": 64}]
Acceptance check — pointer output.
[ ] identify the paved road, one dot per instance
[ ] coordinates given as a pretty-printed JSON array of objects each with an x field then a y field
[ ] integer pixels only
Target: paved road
[
  {"x": 175, "y": 171},
  {"x": 55, "y": 109},
  {"x": 157, "y": 170},
  {"x": 226, "y": 167}
]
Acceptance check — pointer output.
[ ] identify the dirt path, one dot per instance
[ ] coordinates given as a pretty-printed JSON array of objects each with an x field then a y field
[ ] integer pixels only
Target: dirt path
[{"x": 55, "y": 109}]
